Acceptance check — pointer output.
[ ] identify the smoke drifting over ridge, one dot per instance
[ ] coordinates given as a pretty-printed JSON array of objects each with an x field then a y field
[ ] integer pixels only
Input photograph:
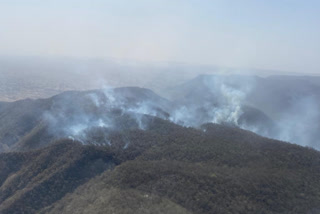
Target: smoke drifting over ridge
[
  {"x": 301, "y": 123},
  {"x": 281, "y": 108},
  {"x": 91, "y": 116},
  {"x": 219, "y": 102},
  {"x": 127, "y": 108},
  {"x": 84, "y": 115}
]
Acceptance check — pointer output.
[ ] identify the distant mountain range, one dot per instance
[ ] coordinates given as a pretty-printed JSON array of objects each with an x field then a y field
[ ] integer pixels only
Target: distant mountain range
[{"x": 43, "y": 77}]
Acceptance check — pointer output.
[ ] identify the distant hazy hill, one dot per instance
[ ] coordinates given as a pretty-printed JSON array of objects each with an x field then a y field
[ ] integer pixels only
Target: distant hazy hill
[
  {"x": 42, "y": 77},
  {"x": 273, "y": 94}
]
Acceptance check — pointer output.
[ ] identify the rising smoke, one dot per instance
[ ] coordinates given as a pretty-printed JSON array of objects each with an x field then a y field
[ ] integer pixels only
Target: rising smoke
[
  {"x": 89, "y": 117},
  {"x": 301, "y": 122},
  {"x": 224, "y": 100}
]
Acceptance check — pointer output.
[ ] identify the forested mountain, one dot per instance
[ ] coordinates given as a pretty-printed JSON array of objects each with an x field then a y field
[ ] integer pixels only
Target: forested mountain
[
  {"x": 128, "y": 150},
  {"x": 167, "y": 169}
]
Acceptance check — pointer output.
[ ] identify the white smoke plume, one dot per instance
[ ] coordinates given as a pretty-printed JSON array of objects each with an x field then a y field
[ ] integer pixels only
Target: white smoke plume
[
  {"x": 251, "y": 103},
  {"x": 84, "y": 116},
  {"x": 220, "y": 99}
]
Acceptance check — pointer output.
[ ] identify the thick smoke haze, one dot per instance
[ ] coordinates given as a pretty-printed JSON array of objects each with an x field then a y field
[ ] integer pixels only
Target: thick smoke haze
[
  {"x": 90, "y": 117},
  {"x": 300, "y": 124},
  {"x": 291, "y": 110},
  {"x": 279, "y": 107}
]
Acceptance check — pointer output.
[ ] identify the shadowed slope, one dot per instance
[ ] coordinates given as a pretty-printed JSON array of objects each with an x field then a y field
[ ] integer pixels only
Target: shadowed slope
[
  {"x": 206, "y": 172},
  {"x": 30, "y": 181}
]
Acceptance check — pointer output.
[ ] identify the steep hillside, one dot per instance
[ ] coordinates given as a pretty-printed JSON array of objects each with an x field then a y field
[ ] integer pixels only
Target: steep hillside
[
  {"x": 164, "y": 169},
  {"x": 30, "y": 181},
  {"x": 19, "y": 118},
  {"x": 218, "y": 170}
]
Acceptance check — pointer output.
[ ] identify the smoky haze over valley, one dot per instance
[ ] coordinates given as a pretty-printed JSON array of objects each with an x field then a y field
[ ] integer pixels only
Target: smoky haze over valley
[{"x": 283, "y": 107}]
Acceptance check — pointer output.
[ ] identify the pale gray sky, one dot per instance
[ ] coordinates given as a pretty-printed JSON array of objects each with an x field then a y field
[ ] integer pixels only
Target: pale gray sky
[{"x": 267, "y": 34}]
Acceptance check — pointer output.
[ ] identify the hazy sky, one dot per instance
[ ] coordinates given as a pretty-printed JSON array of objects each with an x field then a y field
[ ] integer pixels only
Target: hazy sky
[{"x": 270, "y": 34}]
